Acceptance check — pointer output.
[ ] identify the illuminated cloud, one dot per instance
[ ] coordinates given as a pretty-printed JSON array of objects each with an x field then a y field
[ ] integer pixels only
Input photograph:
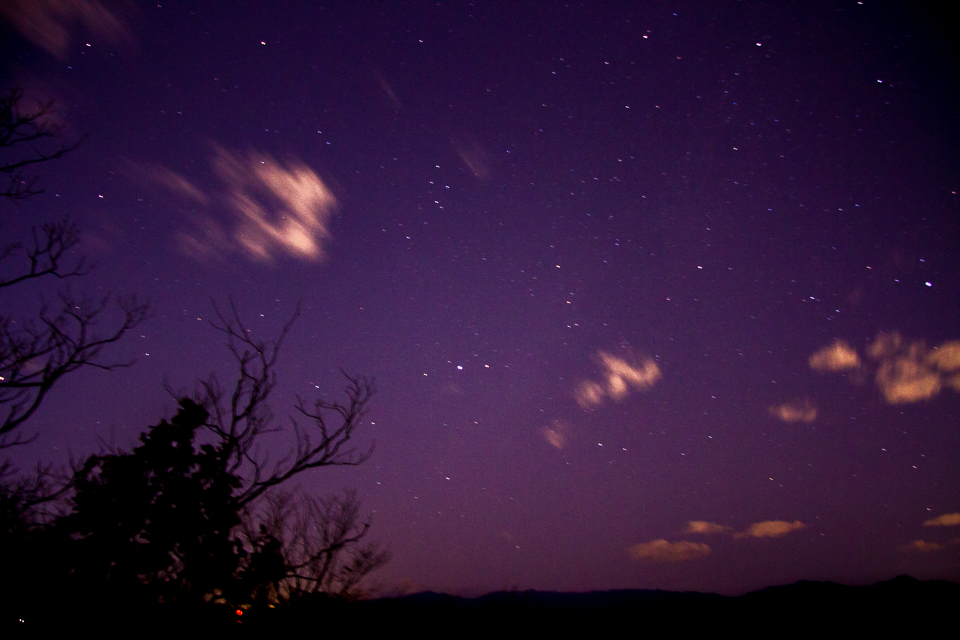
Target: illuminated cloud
[
  {"x": 48, "y": 23},
  {"x": 557, "y": 434},
  {"x": 281, "y": 209},
  {"x": 946, "y": 357},
  {"x": 589, "y": 394},
  {"x": 704, "y": 527},
  {"x": 903, "y": 380},
  {"x": 906, "y": 371},
  {"x": 909, "y": 371},
  {"x": 885, "y": 345},
  {"x": 797, "y": 411},
  {"x": 921, "y": 546},
  {"x": 663, "y": 551},
  {"x": 275, "y": 209},
  {"x": 619, "y": 377},
  {"x": 945, "y": 520},
  {"x": 837, "y": 357},
  {"x": 770, "y": 529}
]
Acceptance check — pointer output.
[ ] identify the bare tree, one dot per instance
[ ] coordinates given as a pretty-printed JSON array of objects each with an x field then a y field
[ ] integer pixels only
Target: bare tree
[
  {"x": 320, "y": 540},
  {"x": 36, "y": 353},
  {"x": 246, "y": 415},
  {"x": 197, "y": 513}
]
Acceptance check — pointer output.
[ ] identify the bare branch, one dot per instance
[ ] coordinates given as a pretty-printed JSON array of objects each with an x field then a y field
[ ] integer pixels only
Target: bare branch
[
  {"x": 329, "y": 449},
  {"x": 321, "y": 540},
  {"x": 49, "y": 247},
  {"x": 35, "y": 355},
  {"x": 23, "y": 498},
  {"x": 24, "y": 133},
  {"x": 242, "y": 418}
]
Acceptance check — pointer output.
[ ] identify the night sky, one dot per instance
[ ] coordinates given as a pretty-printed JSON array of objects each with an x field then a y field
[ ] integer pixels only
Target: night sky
[{"x": 656, "y": 294}]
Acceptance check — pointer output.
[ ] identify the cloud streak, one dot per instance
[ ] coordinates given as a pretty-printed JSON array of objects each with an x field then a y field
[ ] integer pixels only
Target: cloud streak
[
  {"x": 48, "y": 23},
  {"x": 704, "y": 527},
  {"x": 770, "y": 529},
  {"x": 764, "y": 529},
  {"x": 921, "y": 546},
  {"x": 281, "y": 208},
  {"x": 170, "y": 180},
  {"x": 663, "y": 551},
  {"x": 274, "y": 209}
]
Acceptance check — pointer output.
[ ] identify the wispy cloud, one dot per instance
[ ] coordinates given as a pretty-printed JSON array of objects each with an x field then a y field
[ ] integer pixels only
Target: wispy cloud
[
  {"x": 619, "y": 376},
  {"x": 906, "y": 370},
  {"x": 796, "y": 411},
  {"x": 473, "y": 156},
  {"x": 273, "y": 208},
  {"x": 704, "y": 527},
  {"x": 663, "y": 551},
  {"x": 921, "y": 546},
  {"x": 281, "y": 208},
  {"x": 170, "y": 180},
  {"x": 945, "y": 520},
  {"x": 765, "y": 529},
  {"x": 48, "y": 23},
  {"x": 770, "y": 529},
  {"x": 557, "y": 434}
]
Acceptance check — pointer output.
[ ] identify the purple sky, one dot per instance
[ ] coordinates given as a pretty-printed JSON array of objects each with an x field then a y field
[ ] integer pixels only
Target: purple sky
[{"x": 656, "y": 294}]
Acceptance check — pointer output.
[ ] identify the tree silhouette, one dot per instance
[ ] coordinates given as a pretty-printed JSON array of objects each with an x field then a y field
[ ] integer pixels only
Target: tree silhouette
[
  {"x": 36, "y": 352},
  {"x": 193, "y": 516},
  {"x": 156, "y": 521}
]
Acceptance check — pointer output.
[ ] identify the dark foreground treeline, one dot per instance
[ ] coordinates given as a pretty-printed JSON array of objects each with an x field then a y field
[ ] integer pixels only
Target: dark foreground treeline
[{"x": 901, "y": 605}]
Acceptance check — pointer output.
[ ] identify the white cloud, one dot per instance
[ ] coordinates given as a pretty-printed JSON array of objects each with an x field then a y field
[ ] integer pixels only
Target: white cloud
[
  {"x": 281, "y": 208},
  {"x": 275, "y": 208},
  {"x": 619, "y": 376}
]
